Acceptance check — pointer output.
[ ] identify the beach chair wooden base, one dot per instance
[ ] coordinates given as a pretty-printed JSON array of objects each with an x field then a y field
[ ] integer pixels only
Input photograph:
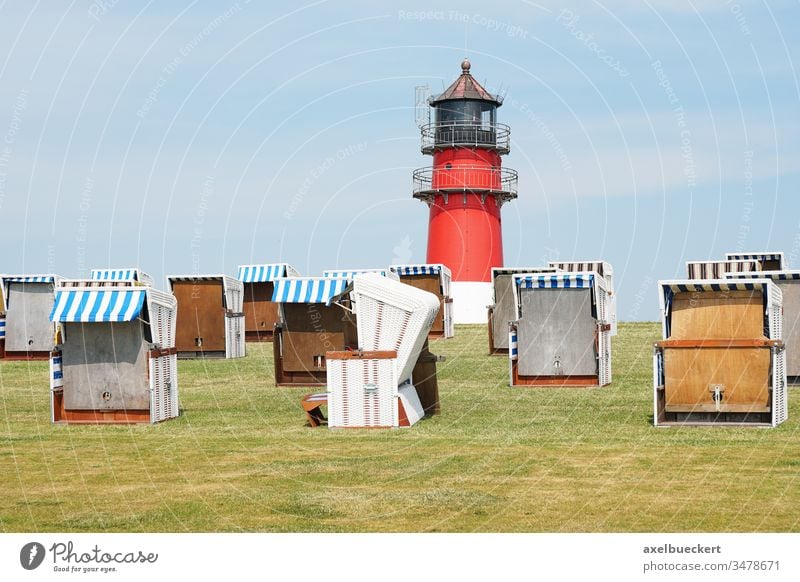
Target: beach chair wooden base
[
  {"x": 65, "y": 416},
  {"x": 28, "y": 356},
  {"x": 258, "y": 336},
  {"x": 312, "y": 404}
]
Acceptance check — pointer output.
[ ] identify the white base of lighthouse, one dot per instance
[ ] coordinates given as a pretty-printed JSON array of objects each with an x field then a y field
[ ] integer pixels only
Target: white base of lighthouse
[{"x": 470, "y": 301}]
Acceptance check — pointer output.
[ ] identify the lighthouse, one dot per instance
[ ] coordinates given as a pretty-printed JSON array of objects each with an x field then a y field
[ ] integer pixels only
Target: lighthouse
[{"x": 465, "y": 190}]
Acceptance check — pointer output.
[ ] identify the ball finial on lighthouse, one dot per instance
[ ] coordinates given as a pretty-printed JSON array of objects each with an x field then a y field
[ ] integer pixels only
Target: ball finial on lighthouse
[{"x": 465, "y": 66}]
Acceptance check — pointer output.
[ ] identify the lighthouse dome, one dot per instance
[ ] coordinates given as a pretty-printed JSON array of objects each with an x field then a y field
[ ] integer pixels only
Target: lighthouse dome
[{"x": 466, "y": 87}]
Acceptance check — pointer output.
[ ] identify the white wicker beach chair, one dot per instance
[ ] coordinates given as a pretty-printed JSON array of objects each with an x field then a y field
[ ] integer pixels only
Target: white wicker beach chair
[{"x": 372, "y": 387}]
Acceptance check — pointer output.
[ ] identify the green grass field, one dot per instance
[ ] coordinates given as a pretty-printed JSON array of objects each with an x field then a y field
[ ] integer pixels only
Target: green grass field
[{"x": 498, "y": 459}]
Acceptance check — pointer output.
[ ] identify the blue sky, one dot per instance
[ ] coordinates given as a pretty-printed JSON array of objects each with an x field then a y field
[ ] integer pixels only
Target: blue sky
[{"x": 193, "y": 137}]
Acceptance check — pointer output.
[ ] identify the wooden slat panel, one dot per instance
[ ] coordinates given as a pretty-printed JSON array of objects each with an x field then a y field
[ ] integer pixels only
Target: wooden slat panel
[
  {"x": 744, "y": 374},
  {"x": 288, "y": 378},
  {"x": 311, "y": 330},
  {"x": 425, "y": 381},
  {"x": 301, "y": 347},
  {"x": 158, "y": 353},
  {"x": 717, "y": 315},
  {"x": 312, "y": 404},
  {"x": 719, "y": 343},
  {"x": 105, "y": 416},
  {"x": 201, "y": 314},
  {"x": 260, "y": 313},
  {"x": 25, "y": 356},
  {"x": 432, "y": 284}
]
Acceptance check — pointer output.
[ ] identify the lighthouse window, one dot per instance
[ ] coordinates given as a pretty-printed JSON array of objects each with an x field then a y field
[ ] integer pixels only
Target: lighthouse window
[
  {"x": 487, "y": 118},
  {"x": 448, "y": 166},
  {"x": 465, "y": 122},
  {"x": 479, "y": 113}
]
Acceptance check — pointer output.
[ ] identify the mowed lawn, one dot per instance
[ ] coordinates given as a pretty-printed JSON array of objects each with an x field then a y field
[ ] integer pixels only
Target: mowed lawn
[{"x": 498, "y": 459}]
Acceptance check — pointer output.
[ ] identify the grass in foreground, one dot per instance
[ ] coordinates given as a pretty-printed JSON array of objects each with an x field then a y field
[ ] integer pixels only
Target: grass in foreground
[{"x": 241, "y": 458}]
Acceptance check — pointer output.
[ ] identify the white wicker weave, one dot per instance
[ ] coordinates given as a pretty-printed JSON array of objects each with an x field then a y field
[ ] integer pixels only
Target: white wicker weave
[
  {"x": 658, "y": 380},
  {"x": 362, "y": 393},
  {"x": 234, "y": 294},
  {"x": 780, "y": 409},
  {"x": 162, "y": 309},
  {"x": 393, "y": 316},
  {"x": 163, "y": 388},
  {"x": 234, "y": 335},
  {"x": 604, "y": 314}
]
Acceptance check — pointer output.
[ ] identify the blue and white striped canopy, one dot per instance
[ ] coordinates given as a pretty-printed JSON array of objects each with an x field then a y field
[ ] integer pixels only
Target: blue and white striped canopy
[
  {"x": 2, "y": 327},
  {"x": 497, "y": 271},
  {"x": 261, "y": 273},
  {"x": 596, "y": 266},
  {"x": 172, "y": 278},
  {"x": 29, "y": 279},
  {"x": 417, "y": 269},
  {"x": 687, "y": 286},
  {"x": 115, "y": 275},
  {"x": 90, "y": 305},
  {"x": 772, "y": 275},
  {"x": 308, "y": 290},
  {"x": 352, "y": 274},
  {"x": 754, "y": 256},
  {"x": 560, "y": 281}
]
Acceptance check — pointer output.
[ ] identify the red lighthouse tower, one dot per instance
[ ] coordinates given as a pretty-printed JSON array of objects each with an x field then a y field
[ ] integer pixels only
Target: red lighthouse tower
[{"x": 465, "y": 190}]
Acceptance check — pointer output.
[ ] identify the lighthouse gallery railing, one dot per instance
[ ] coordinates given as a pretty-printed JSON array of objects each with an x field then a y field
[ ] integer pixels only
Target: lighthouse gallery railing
[
  {"x": 466, "y": 178},
  {"x": 458, "y": 133}
]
